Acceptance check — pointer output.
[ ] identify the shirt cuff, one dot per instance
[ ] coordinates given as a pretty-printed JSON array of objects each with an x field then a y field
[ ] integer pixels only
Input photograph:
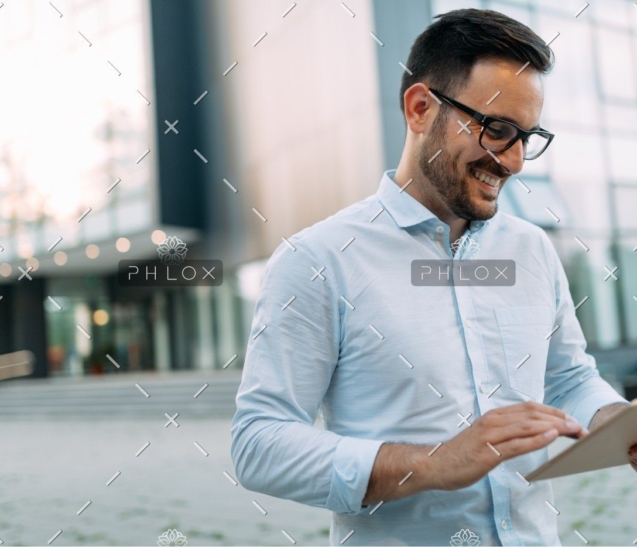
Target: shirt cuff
[
  {"x": 587, "y": 407},
  {"x": 353, "y": 463}
]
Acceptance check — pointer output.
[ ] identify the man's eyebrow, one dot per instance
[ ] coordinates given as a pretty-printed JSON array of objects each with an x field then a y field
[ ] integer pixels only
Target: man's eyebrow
[{"x": 506, "y": 118}]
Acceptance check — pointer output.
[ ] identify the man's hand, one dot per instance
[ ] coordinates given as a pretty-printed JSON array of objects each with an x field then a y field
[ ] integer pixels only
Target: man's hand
[
  {"x": 606, "y": 413},
  {"x": 510, "y": 430}
]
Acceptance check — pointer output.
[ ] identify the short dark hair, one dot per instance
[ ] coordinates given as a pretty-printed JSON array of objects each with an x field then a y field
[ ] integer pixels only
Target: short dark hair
[{"x": 444, "y": 54}]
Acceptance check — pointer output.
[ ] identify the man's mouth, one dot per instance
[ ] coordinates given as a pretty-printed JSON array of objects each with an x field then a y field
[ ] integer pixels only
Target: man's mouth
[{"x": 491, "y": 180}]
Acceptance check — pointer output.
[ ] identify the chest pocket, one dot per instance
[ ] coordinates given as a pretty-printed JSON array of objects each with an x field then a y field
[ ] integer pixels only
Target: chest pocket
[{"x": 524, "y": 331}]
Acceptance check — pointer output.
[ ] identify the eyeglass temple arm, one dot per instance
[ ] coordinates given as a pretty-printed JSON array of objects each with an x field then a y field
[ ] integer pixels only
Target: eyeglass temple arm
[{"x": 481, "y": 117}]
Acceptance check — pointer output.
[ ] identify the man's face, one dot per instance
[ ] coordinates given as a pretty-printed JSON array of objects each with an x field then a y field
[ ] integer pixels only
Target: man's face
[{"x": 453, "y": 173}]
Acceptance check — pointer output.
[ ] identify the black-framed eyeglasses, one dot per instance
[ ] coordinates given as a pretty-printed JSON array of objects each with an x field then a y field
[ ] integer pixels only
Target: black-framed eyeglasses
[{"x": 499, "y": 135}]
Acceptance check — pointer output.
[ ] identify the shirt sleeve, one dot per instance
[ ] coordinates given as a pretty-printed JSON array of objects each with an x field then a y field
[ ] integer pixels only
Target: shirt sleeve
[
  {"x": 573, "y": 383},
  {"x": 292, "y": 352}
]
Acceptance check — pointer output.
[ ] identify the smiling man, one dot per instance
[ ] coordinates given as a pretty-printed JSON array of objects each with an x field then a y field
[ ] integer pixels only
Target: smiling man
[{"x": 437, "y": 400}]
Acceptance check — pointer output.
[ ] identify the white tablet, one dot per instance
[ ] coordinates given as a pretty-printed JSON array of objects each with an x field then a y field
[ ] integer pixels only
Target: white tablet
[{"x": 606, "y": 446}]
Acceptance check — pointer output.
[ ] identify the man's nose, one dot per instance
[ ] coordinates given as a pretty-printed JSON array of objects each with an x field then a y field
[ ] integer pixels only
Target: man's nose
[{"x": 513, "y": 158}]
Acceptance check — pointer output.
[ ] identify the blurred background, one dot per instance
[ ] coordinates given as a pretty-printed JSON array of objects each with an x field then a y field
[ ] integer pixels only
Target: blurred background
[{"x": 232, "y": 124}]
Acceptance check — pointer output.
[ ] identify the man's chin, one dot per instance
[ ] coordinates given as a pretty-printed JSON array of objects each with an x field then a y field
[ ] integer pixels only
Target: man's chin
[
  {"x": 481, "y": 209},
  {"x": 488, "y": 212}
]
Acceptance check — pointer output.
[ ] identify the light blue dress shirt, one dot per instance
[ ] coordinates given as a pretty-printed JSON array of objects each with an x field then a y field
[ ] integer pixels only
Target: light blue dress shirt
[{"x": 339, "y": 327}]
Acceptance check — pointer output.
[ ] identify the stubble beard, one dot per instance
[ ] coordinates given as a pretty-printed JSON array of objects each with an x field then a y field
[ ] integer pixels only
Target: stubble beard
[{"x": 448, "y": 181}]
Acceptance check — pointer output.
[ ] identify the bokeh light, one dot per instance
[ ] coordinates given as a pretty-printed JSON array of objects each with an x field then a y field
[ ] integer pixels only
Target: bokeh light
[
  {"x": 158, "y": 236},
  {"x": 33, "y": 262},
  {"x": 92, "y": 251},
  {"x": 100, "y": 317},
  {"x": 122, "y": 244},
  {"x": 60, "y": 258}
]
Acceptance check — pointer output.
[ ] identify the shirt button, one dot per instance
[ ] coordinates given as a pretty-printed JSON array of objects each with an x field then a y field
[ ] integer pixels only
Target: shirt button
[
  {"x": 503, "y": 524},
  {"x": 484, "y": 388},
  {"x": 440, "y": 229},
  {"x": 468, "y": 322}
]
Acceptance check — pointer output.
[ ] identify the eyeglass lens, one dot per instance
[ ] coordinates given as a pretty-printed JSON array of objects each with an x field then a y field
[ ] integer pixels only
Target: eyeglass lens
[{"x": 497, "y": 135}]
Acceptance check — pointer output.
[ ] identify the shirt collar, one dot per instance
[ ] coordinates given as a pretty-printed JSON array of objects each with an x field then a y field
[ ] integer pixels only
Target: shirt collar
[{"x": 408, "y": 211}]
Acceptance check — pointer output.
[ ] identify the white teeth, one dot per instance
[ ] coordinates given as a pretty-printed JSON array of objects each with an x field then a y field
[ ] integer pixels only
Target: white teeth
[{"x": 485, "y": 178}]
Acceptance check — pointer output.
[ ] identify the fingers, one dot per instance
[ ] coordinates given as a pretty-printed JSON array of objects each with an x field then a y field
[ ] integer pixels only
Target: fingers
[
  {"x": 519, "y": 429},
  {"x": 528, "y": 407},
  {"x": 515, "y": 447},
  {"x": 581, "y": 434},
  {"x": 527, "y": 419},
  {"x": 532, "y": 427}
]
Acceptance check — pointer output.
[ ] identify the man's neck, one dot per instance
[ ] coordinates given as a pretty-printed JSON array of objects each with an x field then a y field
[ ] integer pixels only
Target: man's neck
[{"x": 421, "y": 191}]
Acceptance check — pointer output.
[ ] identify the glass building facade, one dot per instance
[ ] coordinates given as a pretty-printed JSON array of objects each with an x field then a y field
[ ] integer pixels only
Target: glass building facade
[
  {"x": 583, "y": 190},
  {"x": 71, "y": 129},
  {"x": 135, "y": 120},
  {"x": 81, "y": 187}
]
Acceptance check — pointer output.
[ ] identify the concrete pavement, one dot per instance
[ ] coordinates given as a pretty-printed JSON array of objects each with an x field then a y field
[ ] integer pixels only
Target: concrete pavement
[{"x": 55, "y": 460}]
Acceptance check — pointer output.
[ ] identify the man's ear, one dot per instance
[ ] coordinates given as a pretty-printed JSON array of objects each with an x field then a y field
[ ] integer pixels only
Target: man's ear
[{"x": 420, "y": 107}]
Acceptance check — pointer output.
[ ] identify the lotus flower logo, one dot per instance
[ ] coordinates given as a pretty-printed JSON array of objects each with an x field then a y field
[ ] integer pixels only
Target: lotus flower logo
[
  {"x": 465, "y": 245},
  {"x": 172, "y": 250},
  {"x": 464, "y": 537},
  {"x": 172, "y": 537}
]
